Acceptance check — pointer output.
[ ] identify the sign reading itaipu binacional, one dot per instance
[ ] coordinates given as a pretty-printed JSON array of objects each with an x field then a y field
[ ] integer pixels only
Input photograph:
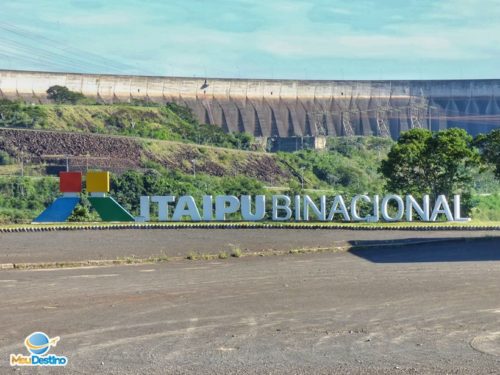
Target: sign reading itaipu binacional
[{"x": 250, "y": 208}]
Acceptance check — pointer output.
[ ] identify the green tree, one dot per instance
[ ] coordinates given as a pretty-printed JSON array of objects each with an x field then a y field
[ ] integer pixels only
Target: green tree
[
  {"x": 489, "y": 146},
  {"x": 62, "y": 95},
  {"x": 422, "y": 162}
]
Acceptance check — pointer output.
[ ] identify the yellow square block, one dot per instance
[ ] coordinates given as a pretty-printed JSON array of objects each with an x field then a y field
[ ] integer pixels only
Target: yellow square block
[{"x": 98, "y": 182}]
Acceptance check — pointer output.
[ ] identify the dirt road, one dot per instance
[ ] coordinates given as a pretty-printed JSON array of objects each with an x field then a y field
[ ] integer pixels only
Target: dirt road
[
  {"x": 112, "y": 244},
  {"x": 407, "y": 310}
]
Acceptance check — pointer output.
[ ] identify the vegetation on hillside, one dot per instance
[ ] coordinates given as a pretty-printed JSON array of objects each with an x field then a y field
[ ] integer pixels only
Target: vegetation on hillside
[
  {"x": 420, "y": 162},
  {"x": 169, "y": 122},
  {"x": 349, "y": 165},
  {"x": 24, "y": 198},
  {"x": 20, "y": 115}
]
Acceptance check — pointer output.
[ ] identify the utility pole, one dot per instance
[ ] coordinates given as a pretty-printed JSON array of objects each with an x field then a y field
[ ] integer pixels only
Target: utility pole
[
  {"x": 194, "y": 167},
  {"x": 22, "y": 174},
  {"x": 430, "y": 118},
  {"x": 302, "y": 177},
  {"x": 22, "y": 163}
]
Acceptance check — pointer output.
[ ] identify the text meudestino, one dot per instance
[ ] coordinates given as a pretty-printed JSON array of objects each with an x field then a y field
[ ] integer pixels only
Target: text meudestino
[{"x": 391, "y": 207}]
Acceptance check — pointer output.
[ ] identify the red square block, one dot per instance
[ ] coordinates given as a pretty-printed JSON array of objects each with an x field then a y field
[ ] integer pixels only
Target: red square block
[{"x": 70, "y": 182}]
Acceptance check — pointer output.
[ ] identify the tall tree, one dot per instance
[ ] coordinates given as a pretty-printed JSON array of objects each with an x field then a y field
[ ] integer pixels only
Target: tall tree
[
  {"x": 422, "y": 162},
  {"x": 62, "y": 95}
]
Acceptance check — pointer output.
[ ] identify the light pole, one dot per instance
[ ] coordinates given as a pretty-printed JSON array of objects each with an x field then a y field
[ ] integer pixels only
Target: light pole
[
  {"x": 22, "y": 163},
  {"x": 194, "y": 167},
  {"x": 302, "y": 177}
]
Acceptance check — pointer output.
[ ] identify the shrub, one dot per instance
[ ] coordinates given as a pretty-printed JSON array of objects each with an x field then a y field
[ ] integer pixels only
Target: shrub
[
  {"x": 5, "y": 158},
  {"x": 81, "y": 213},
  {"x": 223, "y": 255},
  {"x": 236, "y": 251}
]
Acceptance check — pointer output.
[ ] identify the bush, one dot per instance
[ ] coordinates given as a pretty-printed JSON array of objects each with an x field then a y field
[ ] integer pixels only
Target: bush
[
  {"x": 184, "y": 113},
  {"x": 5, "y": 158},
  {"x": 235, "y": 251},
  {"x": 82, "y": 213},
  {"x": 486, "y": 207},
  {"x": 16, "y": 114},
  {"x": 223, "y": 255}
]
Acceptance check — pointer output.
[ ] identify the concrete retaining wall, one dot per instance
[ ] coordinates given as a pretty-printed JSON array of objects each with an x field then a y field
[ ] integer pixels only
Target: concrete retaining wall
[{"x": 284, "y": 108}]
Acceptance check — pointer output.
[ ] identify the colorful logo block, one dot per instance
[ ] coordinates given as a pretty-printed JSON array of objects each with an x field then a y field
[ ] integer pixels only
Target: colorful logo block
[
  {"x": 97, "y": 185},
  {"x": 97, "y": 182},
  {"x": 70, "y": 182}
]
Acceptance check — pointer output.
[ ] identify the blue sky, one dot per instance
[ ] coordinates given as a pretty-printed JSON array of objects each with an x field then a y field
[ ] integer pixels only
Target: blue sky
[{"x": 321, "y": 39}]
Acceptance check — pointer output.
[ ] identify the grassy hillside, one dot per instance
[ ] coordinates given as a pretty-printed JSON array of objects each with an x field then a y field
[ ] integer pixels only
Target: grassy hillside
[
  {"x": 170, "y": 122},
  {"x": 46, "y": 152},
  {"x": 162, "y": 149},
  {"x": 348, "y": 165}
]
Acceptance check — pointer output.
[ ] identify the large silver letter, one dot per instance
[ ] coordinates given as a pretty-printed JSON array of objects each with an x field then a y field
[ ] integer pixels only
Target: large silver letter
[
  {"x": 220, "y": 206},
  {"x": 456, "y": 209},
  {"x": 163, "y": 205},
  {"x": 441, "y": 202},
  {"x": 285, "y": 207},
  {"x": 260, "y": 207},
  {"x": 411, "y": 204},
  {"x": 207, "y": 207},
  {"x": 401, "y": 207},
  {"x": 354, "y": 208},
  {"x": 320, "y": 213},
  {"x": 338, "y": 201},
  {"x": 186, "y": 206},
  {"x": 145, "y": 209}
]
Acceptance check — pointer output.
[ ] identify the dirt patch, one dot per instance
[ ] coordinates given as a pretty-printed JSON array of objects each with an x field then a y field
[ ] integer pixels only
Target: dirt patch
[
  {"x": 119, "y": 154},
  {"x": 114, "y": 153}
]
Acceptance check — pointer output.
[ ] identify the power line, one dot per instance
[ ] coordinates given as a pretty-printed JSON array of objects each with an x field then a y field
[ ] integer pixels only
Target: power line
[
  {"x": 38, "y": 49},
  {"x": 55, "y": 45}
]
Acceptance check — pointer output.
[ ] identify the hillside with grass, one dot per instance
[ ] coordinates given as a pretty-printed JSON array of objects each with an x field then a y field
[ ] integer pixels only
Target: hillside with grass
[
  {"x": 170, "y": 122},
  {"x": 158, "y": 150}
]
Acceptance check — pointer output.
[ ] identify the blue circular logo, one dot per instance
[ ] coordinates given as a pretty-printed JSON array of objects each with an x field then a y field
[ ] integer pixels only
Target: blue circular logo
[{"x": 37, "y": 343}]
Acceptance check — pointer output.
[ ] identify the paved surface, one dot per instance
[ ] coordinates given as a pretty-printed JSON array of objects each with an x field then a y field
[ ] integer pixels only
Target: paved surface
[
  {"x": 85, "y": 245},
  {"x": 407, "y": 310}
]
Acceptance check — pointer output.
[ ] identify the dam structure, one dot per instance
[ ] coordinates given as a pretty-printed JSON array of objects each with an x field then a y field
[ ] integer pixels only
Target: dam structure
[{"x": 288, "y": 109}]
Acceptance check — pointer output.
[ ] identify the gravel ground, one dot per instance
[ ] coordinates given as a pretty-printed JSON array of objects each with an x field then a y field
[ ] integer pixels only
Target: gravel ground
[{"x": 417, "y": 309}]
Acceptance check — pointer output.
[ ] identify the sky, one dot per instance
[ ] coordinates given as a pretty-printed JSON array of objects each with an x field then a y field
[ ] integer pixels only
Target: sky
[{"x": 316, "y": 39}]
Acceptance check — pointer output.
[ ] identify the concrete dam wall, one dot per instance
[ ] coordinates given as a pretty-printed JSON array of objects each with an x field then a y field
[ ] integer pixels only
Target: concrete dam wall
[{"x": 289, "y": 108}]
